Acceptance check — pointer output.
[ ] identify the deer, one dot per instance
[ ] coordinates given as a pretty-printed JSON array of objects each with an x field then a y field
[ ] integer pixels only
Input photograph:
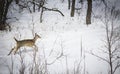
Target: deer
[{"x": 25, "y": 42}]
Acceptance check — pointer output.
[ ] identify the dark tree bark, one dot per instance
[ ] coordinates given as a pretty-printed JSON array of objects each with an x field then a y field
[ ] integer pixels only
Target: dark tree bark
[
  {"x": 3, "y": 12},
  {"x": 89, "y": 11},
  {"x": 33, "y": 5},
  {"x": 2, "y": 3},
  {"x": 73, "y": 8},
  {"x": 69, "y": 3},
  {"x": 17, "y": 1},
  {"x": 81, "y": 1},
  {"x": 41, "y": 15},
  {"x": 109, "y": 45}
]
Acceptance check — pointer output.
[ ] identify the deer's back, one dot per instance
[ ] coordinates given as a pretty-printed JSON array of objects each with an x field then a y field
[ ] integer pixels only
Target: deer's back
[{"x": 29, "y": 43}]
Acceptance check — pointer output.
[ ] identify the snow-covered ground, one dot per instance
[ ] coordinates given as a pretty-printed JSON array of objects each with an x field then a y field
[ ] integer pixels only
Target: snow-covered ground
[{"x": 67, "y": 35}]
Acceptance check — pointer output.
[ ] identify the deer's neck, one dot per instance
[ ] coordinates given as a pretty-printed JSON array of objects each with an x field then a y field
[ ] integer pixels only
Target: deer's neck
[{"x": 35, "y": 39}]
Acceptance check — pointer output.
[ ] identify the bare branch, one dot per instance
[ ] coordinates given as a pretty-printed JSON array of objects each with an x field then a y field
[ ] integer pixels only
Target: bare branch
[
  {"x": 99, "y": 57},
  {"x": 56, "y": 59},
  {"x": 118, "y": 66},
  {"x": 53, "y": 9}
]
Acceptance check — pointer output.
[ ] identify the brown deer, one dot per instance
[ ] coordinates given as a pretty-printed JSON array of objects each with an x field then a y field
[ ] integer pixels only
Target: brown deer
[{"x": 26, "y": 42}]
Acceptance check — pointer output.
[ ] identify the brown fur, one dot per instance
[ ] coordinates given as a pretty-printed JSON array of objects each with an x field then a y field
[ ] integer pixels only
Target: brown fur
[{"x": 26, "y": 42}]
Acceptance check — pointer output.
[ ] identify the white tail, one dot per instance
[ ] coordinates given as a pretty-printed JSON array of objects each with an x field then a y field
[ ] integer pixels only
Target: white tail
[{"x": 26, "y": 42}]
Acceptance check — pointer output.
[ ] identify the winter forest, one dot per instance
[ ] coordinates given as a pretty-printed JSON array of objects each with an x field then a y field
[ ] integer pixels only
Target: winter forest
[{"x": 60, "y": 36}]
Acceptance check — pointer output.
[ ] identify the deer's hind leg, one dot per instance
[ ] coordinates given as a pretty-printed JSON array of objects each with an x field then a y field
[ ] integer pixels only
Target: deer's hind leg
[
  {"x": 11, "y": 50},
  {"x": 16, "y": 49}
]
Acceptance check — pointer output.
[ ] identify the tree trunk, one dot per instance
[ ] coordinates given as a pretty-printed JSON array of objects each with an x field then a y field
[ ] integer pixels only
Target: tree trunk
[
  {"x": 33, "y": 5},
  {"x": 2, "y": 10},
  {"x": 69, "y": 4},
  {"x": 89, "y": 10},
  {"x": 110, "y": 60},
  {"x": 3, "y": 13},
  {"x": 81, "y": 1},
  {"x": 109, "y": 38},
  {"x": 17, "y": 1},
  {"x": 73, "y": 8}
]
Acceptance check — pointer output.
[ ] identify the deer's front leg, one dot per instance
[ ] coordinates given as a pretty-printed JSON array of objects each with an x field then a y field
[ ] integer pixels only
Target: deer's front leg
[{"x": 36, "y": 48}]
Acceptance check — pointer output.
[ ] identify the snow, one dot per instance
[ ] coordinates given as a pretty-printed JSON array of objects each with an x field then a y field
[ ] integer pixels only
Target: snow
[{"x": 58, "y": 34}]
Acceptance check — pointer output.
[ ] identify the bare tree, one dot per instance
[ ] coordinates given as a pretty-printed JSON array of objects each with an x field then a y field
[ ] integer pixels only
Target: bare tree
[
  {"x": 40, "y": 5},
  {"x": 34, "y": 5},
  {"x": 112, "y": 42},
  {"x": 23, "y": 4},
  {"x": 73, "y": 8},
  {"x": 89, "y": 11},
  {"x": 43, "y": 8},
  {"x": 3, "y": 13},
  {"x": 17, "y": 1},
  {"x": 81, "y": 1},
  {"x": 69, "y": 3}
]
